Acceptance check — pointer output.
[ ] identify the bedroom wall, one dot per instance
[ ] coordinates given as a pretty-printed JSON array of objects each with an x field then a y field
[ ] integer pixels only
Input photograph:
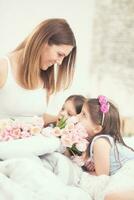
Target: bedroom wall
[{"x": 112, "y": 64}]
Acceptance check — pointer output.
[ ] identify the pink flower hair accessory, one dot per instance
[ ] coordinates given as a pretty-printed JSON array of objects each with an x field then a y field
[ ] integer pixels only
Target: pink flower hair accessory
[{"x": 104, "y": 106}]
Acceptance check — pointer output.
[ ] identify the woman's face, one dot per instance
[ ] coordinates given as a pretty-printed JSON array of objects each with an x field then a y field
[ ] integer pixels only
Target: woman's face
[
  {"x": 67, "y": 110},
  {"x": 54, "y": 54}
]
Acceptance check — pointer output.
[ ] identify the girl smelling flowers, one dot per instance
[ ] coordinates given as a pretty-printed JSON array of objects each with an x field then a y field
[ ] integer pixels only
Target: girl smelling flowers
[
  {"x": 107, "y": 150},
  {"x": 72, "y": 134},
  {"x": 71, "y": 107}
]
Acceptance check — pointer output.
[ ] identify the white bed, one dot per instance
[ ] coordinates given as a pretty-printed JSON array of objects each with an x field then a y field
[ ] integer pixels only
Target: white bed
[
  {"x": 23, "y": 175},
  {"x": 129, "y": 141}
]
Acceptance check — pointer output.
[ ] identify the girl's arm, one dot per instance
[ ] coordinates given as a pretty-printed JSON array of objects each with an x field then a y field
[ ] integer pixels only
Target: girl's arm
[{"x": 101, "y": 156}]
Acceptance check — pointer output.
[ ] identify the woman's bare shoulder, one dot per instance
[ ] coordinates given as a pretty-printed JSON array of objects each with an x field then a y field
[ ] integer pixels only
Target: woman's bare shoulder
[{"x": 3, "y": 71}]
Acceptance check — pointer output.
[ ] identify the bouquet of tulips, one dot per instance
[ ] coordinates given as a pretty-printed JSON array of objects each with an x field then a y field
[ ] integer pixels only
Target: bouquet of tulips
[
  {"x": 73, "y": 138},
  {"x": 71, "y": 133},
  {"x": 11, "y": 129}
]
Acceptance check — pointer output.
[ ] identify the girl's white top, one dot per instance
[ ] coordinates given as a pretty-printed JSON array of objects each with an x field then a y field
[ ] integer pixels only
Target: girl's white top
[
  {"x": 119, "y": 154},
  {"x": 17, "y": 102}
]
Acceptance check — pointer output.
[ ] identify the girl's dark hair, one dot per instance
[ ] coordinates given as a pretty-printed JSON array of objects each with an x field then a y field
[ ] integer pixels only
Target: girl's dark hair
[
  {"x": 111, "y": 124},
  {"x": 78, "y": 101}
]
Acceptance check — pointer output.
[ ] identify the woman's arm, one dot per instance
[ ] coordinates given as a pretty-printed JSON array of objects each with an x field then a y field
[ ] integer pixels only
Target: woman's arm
[
  {"x": 3, "y": 72},
  {"x": 101, "y": 156},
  {"x": 49, "y": 119}
]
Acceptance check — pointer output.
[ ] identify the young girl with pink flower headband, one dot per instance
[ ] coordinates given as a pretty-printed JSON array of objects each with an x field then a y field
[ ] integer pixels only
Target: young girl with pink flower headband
[{"x": 107, "y": 150}]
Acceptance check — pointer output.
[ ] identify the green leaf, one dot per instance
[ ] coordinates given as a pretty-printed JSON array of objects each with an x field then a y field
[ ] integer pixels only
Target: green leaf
[
  {"x": 62, "y": 123},
  {"x": 12, "y": 119},
  {"x": 74, "y": 151}
]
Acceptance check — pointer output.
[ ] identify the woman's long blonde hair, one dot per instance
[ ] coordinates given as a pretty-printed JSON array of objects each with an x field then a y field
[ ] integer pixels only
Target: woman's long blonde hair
[{"x": 51, "y": 31}]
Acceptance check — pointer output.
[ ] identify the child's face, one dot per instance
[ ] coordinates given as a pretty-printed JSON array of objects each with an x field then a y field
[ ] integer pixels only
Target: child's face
[
  {"x": 68, "y": 110},
  {"x": 86, "y": 121}
]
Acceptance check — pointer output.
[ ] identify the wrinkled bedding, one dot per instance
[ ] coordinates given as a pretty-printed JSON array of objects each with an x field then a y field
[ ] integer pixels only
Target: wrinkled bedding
[{"x": 33, "y": 169}]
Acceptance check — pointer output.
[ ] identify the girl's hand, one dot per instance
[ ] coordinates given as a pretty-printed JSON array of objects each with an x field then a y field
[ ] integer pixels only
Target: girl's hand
[{"x": 89, "y": 165}]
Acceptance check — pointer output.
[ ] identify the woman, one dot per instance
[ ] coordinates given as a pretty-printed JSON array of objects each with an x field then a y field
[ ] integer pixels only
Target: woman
[{"x": 27, "y": 77}]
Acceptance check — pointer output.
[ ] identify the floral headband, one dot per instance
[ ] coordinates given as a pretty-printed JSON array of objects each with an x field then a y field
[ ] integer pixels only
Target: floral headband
[{"x": 104, "y": 106}]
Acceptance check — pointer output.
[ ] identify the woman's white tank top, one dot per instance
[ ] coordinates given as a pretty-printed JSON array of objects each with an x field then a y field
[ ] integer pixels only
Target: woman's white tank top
[{"x": 16, "y": 102}]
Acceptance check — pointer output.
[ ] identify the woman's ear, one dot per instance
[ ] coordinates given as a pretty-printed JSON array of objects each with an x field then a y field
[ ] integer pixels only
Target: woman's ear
[{"x": 97, "y": 129}]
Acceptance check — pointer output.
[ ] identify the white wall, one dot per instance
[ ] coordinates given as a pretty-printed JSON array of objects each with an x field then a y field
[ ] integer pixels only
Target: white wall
[{"x": 18, "y": 18}]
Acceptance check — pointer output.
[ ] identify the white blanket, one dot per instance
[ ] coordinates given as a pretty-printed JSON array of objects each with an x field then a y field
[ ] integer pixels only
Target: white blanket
[
  {"x": 34, "y": 145},
  {"x": 25, "y": 176},
  {"x": 37, "y": 182},
  {"x": 52, "y": 176}
]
